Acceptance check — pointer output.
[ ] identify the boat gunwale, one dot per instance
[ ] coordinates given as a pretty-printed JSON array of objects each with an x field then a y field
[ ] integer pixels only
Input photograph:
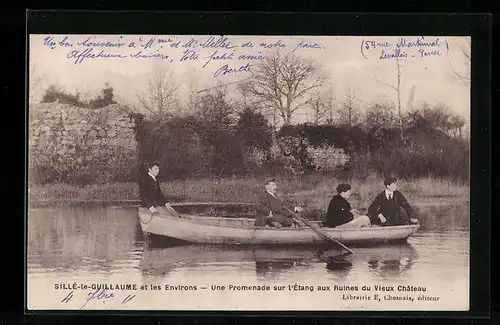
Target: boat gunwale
[
  {"x": 250, "y": 204},
  {"x": 194, "y": 218}
]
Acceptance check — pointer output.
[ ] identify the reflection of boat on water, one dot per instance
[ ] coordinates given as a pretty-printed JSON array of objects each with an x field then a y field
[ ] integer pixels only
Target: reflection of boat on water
[
  {"x": 383, "y": 260},
  {"x": 270, "y": 259},
  {"x": 388, "y": 253},
  {"x": 392, "y": 261},
  {"x": 225, "y": 230},
  {"x": 163, "y": 260}
]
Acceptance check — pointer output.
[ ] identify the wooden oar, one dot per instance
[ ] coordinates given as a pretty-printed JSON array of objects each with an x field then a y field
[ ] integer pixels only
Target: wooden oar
[
  {"x": 321, "y": 233},
  {"x": 171, "y": 209}
]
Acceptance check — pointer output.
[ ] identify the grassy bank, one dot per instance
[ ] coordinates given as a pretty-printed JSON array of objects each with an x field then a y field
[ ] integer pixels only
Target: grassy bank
[{"x": 311, "y": 191}]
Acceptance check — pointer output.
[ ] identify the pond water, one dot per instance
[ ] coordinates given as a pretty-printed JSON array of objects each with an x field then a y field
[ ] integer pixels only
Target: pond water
[{"x": 99, "y": 244}]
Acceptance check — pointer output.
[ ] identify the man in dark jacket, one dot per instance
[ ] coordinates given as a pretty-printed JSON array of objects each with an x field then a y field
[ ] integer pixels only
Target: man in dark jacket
[
  {"x": 152, "y": 197},
  {"x": 340, "y": 214},
  {"x": 386, "y": 208},
  {"x": 271, "y": 211}
]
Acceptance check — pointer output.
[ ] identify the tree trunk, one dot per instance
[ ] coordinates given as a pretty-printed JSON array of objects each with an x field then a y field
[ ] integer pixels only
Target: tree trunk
[
  {"x": 286, "y": 117},
  {"x": 399, "y": 103},
  {"x": 350, "y": 114}
]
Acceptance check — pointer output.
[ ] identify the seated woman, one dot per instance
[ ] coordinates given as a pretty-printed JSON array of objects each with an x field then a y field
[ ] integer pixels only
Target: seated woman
[{"x": 340, "y": 214}]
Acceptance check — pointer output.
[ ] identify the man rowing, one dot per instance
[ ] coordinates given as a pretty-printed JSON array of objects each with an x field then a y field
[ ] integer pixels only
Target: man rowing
[{"x": 273, "y": 212}]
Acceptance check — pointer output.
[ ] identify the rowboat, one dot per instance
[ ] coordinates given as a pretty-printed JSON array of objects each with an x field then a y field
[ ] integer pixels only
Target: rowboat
[{"x": 226, "y": 229}]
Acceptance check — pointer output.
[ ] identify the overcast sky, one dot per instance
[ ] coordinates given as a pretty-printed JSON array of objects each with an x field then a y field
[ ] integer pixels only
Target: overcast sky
[{"x": 347, "y": 62}]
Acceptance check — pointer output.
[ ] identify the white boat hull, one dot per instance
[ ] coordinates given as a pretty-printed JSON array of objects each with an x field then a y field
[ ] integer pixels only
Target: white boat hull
[{"x": 240, "y": 231}]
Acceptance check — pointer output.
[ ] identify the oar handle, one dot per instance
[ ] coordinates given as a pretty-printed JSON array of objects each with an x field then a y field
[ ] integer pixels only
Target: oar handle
[
  {"x": 319, "y": 232},
  {"x": 170, "y": 208}
]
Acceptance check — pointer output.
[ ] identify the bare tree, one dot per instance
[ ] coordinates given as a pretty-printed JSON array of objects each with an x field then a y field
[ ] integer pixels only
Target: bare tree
[
  {"x": 456, "y": 123},
  {"x": 397, "y": 89},
  {"x": 411, "y": 98},
  {"x": 36, "y": 83},
  {"x": 319, "y": 109},
  {"x": 247, "y": 100},
  {"x": 281, "y": 83},
  {"x": 463, "y": 75},
  {"x": 330, "y": 105},
  {"x": 160, "y": 97},
  {"x": 215, "y": 107},
  {"x": 446, "y": 121},
  {"x": 193, "y": 101},
  {"x": 348, "y": 111},
  {"x": 439, "y": 117},
  {"x": 380, "y": 115}
]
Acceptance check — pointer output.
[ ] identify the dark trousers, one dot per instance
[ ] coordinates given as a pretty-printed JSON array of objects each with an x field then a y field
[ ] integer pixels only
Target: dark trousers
[{"x": 288, "y": 222}]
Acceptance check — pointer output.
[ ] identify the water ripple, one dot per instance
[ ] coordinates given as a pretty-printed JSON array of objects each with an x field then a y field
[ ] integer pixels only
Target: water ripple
[{"x": 89, "y": 245}]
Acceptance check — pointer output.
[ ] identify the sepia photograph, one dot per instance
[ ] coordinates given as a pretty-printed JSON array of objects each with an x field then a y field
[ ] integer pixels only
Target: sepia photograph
[{"x": 248, "y": 172}]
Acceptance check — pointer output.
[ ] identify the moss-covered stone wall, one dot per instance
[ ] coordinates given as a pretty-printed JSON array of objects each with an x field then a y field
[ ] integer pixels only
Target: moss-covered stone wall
[{"x": 80, "y": 145}]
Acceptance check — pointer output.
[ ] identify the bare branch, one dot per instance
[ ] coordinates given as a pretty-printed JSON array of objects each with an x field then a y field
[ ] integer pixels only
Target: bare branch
[
  {"x": 385, "y": 83},
  {"x": 160, "y": 96},
  {"x": 396, "y": 88},
  {"x": 282, "y": 82},
  {"x": 463, "y": 77},
  {"x": 320, "y": 110},
  {"x": 348, "y": 111}
]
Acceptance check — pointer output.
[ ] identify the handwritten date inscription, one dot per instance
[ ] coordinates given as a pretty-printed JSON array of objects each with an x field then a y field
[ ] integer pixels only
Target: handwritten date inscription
[{"x": 99, "y": 295}]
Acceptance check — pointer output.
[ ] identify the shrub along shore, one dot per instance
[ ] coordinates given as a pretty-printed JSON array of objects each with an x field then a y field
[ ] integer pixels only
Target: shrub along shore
[{"x": 311, "y": 191}]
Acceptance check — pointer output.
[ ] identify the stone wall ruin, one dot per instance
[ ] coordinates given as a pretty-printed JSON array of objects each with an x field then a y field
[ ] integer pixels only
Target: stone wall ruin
[{"x": 80, "y": 145}]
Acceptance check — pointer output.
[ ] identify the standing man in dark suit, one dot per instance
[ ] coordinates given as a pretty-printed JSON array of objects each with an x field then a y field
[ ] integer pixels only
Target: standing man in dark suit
[
  {"x": 271, "y": 210},
  {"x": 386, "y": 208},
  {"x": 340, "y": 214},
  {"x": 152, "y": 197}
]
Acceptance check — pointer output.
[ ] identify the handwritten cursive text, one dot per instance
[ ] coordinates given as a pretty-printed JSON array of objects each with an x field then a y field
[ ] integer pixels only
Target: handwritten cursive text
[
  {"x": 419, "y": 42},
  {"x": 225, "y": 69},
  {"x": 221, "y": 42},
  {"x": 303, "y": 45},
  {"x": 99, "y": 295},
  {"x": 217, "y": 56},
  {"x": 397, "y": 53},
  {"x": 90, "y": 42},
  {"x": 89, "y": 53}
]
